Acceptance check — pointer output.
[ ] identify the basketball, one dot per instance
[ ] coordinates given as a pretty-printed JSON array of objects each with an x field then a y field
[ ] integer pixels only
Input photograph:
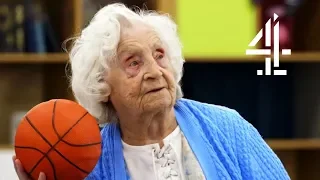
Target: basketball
[{"x": 60, "y": 138}]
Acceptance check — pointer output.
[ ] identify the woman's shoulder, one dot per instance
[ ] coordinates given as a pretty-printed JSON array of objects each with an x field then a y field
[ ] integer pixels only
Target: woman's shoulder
[
  {"x": 198, "y": 105},
  {"x": 239, "y": 140},
  {"x": 217, "y": 115},
  {"x": 217, "y": 120}
]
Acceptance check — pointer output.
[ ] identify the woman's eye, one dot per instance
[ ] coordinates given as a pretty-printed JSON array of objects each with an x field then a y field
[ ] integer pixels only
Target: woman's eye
[
  {"x": 134, "y": 63},
  {"x": 159, "y": 56}
]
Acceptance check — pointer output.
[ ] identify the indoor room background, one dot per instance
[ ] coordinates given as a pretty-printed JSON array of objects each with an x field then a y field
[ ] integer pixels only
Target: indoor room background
[{"x": 215, "y": 36}]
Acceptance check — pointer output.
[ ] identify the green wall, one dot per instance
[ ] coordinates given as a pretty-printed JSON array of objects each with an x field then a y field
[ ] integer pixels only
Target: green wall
[{"x": 210, "y": 28}]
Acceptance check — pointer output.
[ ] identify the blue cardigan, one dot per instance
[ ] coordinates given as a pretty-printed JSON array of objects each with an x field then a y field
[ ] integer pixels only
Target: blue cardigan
[{"x": 225, "y": 144}]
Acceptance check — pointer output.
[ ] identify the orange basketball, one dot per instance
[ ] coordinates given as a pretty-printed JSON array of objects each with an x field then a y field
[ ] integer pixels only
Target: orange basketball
[{"x": 60, "y": 138}]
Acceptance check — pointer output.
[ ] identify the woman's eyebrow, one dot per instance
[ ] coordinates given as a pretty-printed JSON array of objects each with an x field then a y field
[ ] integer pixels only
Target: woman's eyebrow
[
  {"x": 129, "y": 50},
  {"x": 157, "y": 44}
]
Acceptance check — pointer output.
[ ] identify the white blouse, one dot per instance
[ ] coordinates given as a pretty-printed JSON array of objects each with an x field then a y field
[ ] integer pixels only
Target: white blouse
[{"x": 174, "y": 161}]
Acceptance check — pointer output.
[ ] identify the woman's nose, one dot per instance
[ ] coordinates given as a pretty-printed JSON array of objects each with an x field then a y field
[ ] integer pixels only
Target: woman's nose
[{"x": 152, "y": 71}]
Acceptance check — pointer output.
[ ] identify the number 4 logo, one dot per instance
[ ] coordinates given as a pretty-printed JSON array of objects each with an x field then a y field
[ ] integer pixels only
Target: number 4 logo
[{"x": 276, "y": 50}]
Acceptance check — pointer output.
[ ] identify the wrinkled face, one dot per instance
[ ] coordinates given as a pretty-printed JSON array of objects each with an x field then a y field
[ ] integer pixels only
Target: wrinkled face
[{"x": 142, "y": 80}]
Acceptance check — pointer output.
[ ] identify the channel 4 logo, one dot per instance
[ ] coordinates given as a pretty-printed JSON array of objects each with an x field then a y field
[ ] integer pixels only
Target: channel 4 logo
[{"x": 268, "y": 52}]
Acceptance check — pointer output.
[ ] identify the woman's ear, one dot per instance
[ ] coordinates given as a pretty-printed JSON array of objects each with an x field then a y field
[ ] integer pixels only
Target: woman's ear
[
  {"x": 106, "y": 92},
  {"x": 112, "y": 112},
  {"x": 105, "y": 100}
]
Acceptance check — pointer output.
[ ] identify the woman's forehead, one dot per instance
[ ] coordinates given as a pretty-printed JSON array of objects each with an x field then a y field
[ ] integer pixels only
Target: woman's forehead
[{"x": 142, "y": 36}]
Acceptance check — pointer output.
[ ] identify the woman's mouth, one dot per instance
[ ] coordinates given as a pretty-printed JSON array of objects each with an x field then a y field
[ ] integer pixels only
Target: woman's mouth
[{"x": 155, "y": 90}]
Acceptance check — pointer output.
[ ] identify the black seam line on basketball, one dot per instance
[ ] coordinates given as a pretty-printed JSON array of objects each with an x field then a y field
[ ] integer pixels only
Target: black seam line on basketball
[
  {"x": 70, "y": 129},
  {"x": 80, "y": 145},
  {"x": 33, "y": 148},
  {"x": 46, "y": 140},
  {"x": 44, "y": 156},
  {"x": 55, "y": 129},
  {"x": 61, "y": 138},
  {"x": 37, "y": 131},
  {"x": 53, "y": 117},
  {"x": 82, "y": 170},
  {"x": 53, "y": 147}
]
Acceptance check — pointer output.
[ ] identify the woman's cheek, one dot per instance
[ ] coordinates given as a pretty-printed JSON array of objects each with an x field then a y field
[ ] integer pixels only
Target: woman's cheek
[
  {"x": 131, "y": 72},
  {"x": 169, "y": 77},
  {"x": 164, "y": 63}
]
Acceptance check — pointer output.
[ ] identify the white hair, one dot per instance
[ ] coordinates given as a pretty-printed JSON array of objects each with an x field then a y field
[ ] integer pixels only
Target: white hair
[{"x": 96, "y": 48}]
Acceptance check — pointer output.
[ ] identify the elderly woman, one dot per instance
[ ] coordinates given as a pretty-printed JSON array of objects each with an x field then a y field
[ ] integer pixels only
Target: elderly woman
[{"x": 126, "y": 70}]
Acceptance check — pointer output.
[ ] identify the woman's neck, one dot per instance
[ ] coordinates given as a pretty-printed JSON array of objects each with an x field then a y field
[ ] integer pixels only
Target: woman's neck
[{"x": 148, "y": 128}]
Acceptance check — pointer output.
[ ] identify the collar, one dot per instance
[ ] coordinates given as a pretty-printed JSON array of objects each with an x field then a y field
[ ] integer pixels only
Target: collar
[{"x": 191, "y": 128}]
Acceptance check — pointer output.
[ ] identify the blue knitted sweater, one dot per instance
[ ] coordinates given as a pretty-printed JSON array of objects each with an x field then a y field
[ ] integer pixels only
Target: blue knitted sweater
[{"x": 225, "y": 144}]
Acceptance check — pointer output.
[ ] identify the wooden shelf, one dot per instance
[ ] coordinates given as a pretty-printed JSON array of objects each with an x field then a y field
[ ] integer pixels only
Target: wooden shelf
[
  {"x": 281, "y": 144},
  {"x": 295, "y": 57},
  {"x": 5, "y": 147},
  {"x": 16, "y": 58},
  {"x": 294, "y": 144},
  {"x": 63, "y": 58}
]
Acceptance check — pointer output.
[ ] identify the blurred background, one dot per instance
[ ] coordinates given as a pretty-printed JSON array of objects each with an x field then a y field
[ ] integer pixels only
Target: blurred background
[{"x": 215, "y": 35}]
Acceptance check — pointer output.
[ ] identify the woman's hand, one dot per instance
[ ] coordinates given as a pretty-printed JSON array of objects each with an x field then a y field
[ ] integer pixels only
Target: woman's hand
[{"x": 21, "y": 172}]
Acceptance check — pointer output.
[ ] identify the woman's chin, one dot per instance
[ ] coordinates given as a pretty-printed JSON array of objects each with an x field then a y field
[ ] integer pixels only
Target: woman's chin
[{"x": 157, "y": 103}]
